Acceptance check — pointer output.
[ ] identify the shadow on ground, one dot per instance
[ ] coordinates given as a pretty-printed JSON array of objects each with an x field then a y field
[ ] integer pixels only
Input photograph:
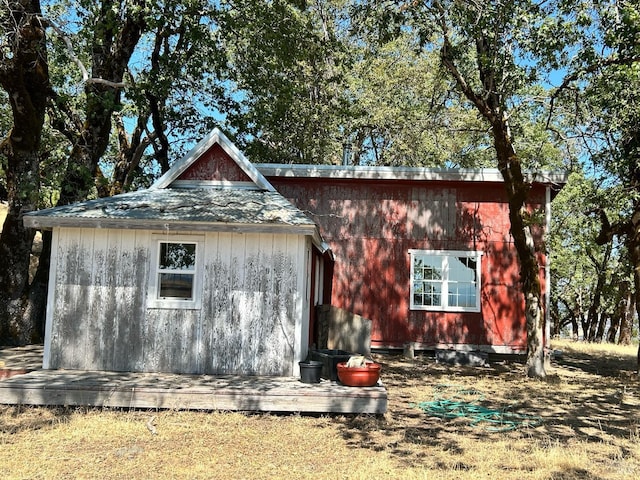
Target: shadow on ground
[{"x": 583, "y": 398}]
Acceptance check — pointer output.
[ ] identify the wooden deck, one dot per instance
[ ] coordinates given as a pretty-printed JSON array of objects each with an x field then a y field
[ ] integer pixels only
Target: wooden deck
[{"x": 171, "y": 391}]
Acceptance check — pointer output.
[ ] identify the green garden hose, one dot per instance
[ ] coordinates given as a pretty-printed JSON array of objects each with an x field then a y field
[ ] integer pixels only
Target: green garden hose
[{"x": 491, "y": 419}]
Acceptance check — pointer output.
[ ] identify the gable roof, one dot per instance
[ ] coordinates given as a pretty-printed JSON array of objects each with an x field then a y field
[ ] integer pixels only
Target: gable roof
[
  {"x": 212, "y": 188},
  {"x": 178, "y": 174}
]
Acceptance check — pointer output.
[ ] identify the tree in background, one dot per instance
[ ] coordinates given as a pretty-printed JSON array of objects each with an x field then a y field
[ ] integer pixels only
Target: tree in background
[
  {"x": 24, "y": 77},
  {"x": 403, "y": 111},
  {"x": 287, "y": 71},
  {"x": 591, "y": 282},
  {"x": 306, "y": 83},
  {"x": 176, "y": 87},
  {"x": 613, "y": 113},
  {"x": 572, "y": 243}
]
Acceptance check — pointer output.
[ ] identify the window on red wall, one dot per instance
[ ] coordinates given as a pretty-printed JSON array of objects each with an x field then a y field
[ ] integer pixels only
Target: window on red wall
[{"x": 445, "y": 280}]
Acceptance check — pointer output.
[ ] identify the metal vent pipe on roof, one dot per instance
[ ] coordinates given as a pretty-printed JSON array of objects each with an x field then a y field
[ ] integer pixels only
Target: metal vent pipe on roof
[{"x": 346, "y": 153}]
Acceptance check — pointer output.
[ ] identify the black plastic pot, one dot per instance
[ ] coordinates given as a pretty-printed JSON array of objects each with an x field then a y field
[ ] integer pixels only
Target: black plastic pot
[{"x": 310, "y": 371}]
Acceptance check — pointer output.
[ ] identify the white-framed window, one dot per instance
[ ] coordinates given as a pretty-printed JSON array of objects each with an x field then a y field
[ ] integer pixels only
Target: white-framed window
[
  {"x": 445, "y": 280},
  {"x": 176, "y": 272}
]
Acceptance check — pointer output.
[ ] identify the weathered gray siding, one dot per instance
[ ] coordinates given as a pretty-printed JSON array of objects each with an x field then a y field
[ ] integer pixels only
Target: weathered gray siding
[{"x": 252, "y": 319}]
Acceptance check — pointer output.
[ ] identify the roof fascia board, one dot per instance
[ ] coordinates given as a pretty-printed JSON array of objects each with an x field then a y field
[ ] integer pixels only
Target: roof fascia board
[
  {"x": 400, "y": 173},
  {"x": 44, "y": 223},
  {"x": 215, "y": 136}
]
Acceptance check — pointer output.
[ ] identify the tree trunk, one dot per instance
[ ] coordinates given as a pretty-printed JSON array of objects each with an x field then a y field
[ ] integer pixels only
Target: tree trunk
[
  {"x": 592, "y": 323},
  {"x": 517, "y": 192},
  {"x": 24, "y": 76},
  {"x": 622, "y": 311},
  {"x": 602, "y": 323},
  {"x": 129, "y": 155},
  {"x": 575, "y": 328},
  {"x": 557, "y": 322},
  {"x": 633, "y": 245},
  {"x": 584, "y": 324},
  {"x": 612, "y": 333},
  {"x": 113, "y": 43},
  {"x": 489, "y": 104},
  {"x": 36, "y": 302},
  {"x": 626, "y": 320}
]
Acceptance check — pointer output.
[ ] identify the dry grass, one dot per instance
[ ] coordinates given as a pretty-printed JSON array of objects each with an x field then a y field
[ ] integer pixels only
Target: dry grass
[{"x": 590, "y": 405}]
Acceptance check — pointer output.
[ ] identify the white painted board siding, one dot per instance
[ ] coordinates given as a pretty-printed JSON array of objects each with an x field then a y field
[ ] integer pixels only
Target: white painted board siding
[{"x": 253, "y": 319}]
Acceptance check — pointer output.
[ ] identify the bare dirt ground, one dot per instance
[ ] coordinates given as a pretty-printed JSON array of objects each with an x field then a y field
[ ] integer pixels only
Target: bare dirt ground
[{"x": 582, "y": 422}]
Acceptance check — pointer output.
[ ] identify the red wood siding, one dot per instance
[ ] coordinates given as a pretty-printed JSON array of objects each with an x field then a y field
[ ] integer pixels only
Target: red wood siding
[
  {"x": 371, "y": 225},
  {"x": 215, "y": 164}
]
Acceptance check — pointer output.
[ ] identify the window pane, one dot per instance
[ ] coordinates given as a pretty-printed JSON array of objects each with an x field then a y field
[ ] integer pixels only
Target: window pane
[
  {"x": 175, "y": 285},
  {"x": 433, "y": 295},
  {"x": 462, "y": 269},
  {"x": 427, "y": 267},
  {"x": 462, "y": 295},
  {"x": 462, "y": 282},
  {"x": 417, "y": 272},
  {"x": 177, "y": 256},
  {"x": 432, "y": 267},
  {"x": 427, "y": 294},
  {"x": 427, "y": 280}
]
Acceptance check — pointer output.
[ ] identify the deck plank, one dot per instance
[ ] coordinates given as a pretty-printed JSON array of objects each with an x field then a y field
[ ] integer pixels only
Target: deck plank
[{"x": 201, "y": 392}]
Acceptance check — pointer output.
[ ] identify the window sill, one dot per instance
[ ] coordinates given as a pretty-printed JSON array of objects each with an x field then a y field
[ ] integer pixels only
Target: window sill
[
  {"x": 174, "y": 304},
  {"x": 445, "y": 310}
]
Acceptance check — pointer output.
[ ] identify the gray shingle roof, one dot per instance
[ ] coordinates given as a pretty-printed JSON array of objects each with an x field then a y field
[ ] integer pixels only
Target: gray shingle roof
[{"x": 174, "y": 208}]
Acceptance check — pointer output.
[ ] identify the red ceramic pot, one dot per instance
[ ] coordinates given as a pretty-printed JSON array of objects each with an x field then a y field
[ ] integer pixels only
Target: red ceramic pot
[{"x": 359, "y": 376}]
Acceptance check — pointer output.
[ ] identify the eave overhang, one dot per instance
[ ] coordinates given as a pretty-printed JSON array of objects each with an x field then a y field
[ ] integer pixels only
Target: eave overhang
[
  {"x": 246, "y": 211},
  {"x": 488, "y": 175}
]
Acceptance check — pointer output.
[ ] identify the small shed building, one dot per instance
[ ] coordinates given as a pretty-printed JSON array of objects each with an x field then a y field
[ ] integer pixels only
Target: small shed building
[{"x": 208, "y": 271}]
